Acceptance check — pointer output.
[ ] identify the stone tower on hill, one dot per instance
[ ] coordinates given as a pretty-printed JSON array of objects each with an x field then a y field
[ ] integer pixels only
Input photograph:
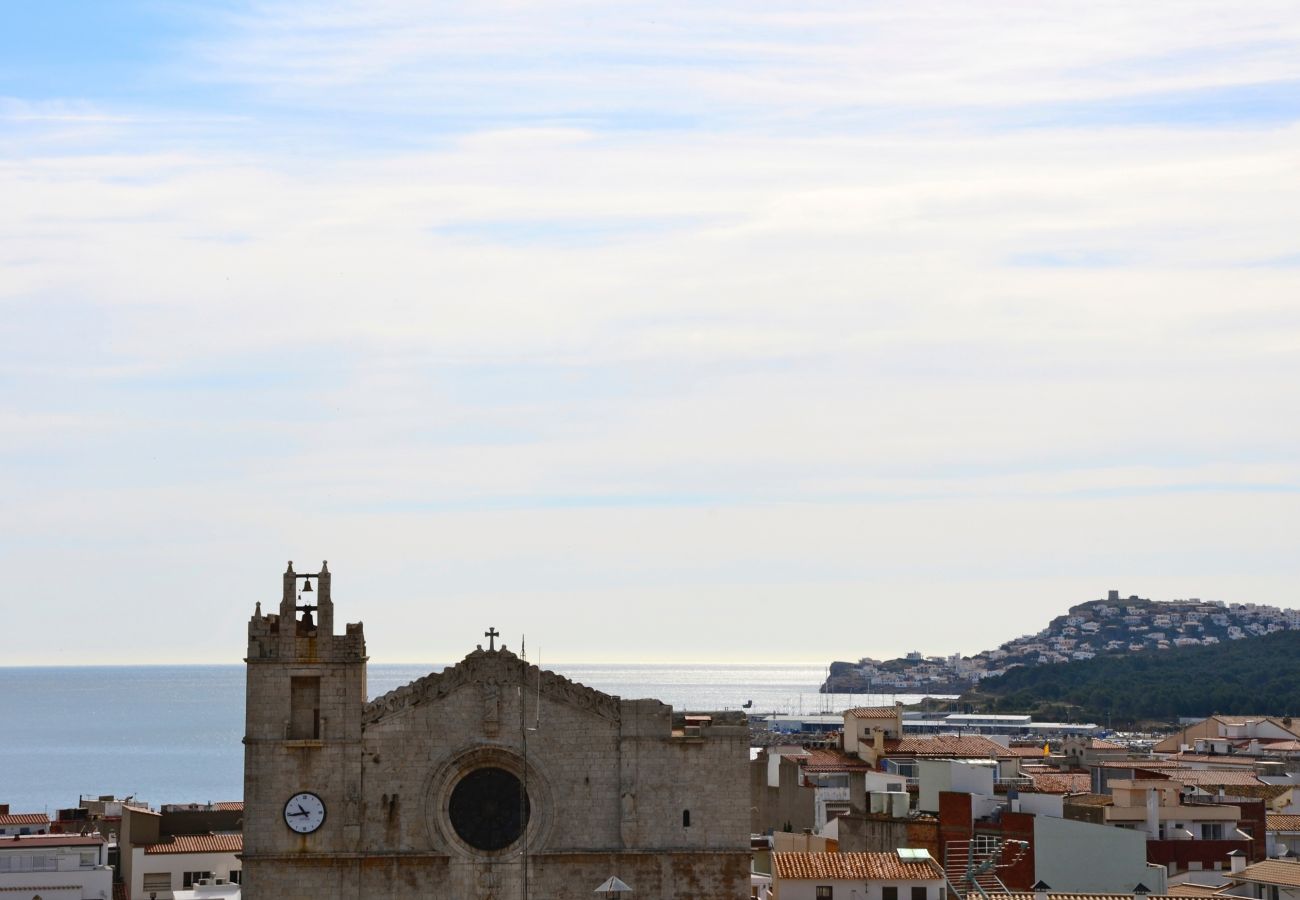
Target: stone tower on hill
[{"x": 491, "y": 779}]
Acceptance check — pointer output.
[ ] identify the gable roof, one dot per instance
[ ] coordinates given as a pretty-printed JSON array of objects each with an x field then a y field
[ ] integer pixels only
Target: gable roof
[
  {"x": 1214, "y": 777},
  {"x": 819, "y": 759},
  {"x": 1270, "y": 871},
  {"x": 966, "y": 746},
  {"x": 1060, "y": 782},
  {"x": 873, "y": 712},
  {"x": 199, "y": 843},
  {"x": 25, "y": 819},
  {"x": 1282, "y": 822},
  {"x": 853, "y": 867}
]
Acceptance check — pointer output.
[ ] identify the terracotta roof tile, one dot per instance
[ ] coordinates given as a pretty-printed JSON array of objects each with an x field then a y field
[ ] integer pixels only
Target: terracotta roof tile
[
  {"x": 200, "y": 843},
  {"x": 1061, "y": 895},
  {"x": 47, "y": 889},
  {"x": 1192, "y": 889},
  {"x": 1270, "y": 871},
  {"x": 1103, "y": 744},
  {"x": 25, "y": 819},
  {"x": 966, "y": 746},
  {"x": 52, "y": 840},
  {"x": 872, "y": 712},
  {"x": 1091, "y": 800},
  {"x": 1215, "y": 777},
  {"x": 1027, "y": 752},
  {"x": 822, "y": 760},
  {"x": 1061, "y": 782},
  {"x": 853, "y": 867},
  {"x": 1258, "y": 791},
  {"x": 1280, "y": 746},
  {"x": 229, "y": 805},
  {"x": 1282, "y": 822},
  {"x": 1236, "y": 759}
]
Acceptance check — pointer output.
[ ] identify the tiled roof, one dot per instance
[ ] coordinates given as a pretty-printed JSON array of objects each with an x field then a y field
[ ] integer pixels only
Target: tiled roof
[
  {"x": 1192, "y": 889},
  {"x": 872, "y": 712},
  {"x": 1214, "y": 777},
  {"x": 229, "y": 805},
  {"x": 25, "y": 819},
  {"x": 1270, "y": 871},
  {"x": 1282, "y": 822},
  {"x": 854, "y": 867},
  {"x": 1150, "y": 764},
  {"x": 1027, "y": 752},
  {"x": 1065, "y": 895},
  {"x": 1280, "y": 746},
  {"x": 1258, "y": 791},
  {"x": 1237, "y": 759},
  {"x": 1091, "y": 800},
  {"x": 1102, "y": 744},
  {"x": 48, "y": 889},
  {"x": 966, "y": 746},
  {"x": 822, "y": 760},
  {"x": 200, "y": 843},
  {"x": 1061, "y": 782},
  {"x": 52, "y": 840}
]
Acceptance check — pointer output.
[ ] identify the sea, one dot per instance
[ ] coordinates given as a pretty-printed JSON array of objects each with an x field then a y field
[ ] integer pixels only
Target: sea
[{"x": 172, "y": 734}]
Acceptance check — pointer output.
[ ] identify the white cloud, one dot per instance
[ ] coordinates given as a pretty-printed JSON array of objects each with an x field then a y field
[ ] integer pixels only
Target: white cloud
[{"x": 721, "y": 367}]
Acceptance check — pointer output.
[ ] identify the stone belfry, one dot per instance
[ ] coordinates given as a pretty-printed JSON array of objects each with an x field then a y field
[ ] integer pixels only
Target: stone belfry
[
  {"x": 490, "y": 779},
  {"x": 302, "y": 760}
]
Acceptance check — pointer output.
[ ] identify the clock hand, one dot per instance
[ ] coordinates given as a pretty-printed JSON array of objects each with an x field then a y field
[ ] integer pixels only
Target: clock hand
[{"x": 303, "y": 811}]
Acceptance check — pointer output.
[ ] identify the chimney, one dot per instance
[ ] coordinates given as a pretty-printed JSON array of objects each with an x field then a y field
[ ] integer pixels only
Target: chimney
[
  {"x": 1236, "y": 861},
  {"x": 4, "y": 809},
  {"x": 857, "y": 793},
  {"x": 1040, "y": 890},
  {"x": 1153, "y": 814},
  {"x": 878, "y": 741}
]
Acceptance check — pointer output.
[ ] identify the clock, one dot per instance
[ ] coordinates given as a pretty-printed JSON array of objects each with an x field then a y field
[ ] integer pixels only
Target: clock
[{"x": 304, "y": 813}]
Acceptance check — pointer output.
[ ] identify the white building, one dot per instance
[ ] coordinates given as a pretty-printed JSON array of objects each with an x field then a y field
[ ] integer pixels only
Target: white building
[
  {"x": 167, "y": 868},
  {"x": 66, "y": 866},
  {"x": 22, "y": 823},
  {"x": 901, "y": 875}
]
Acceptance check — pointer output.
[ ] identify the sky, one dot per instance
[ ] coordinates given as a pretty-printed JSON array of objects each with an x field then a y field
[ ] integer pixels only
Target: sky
[{"x": 651, "y": 331}]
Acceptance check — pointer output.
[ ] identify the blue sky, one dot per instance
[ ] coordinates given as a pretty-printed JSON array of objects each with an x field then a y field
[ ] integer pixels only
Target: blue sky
[{"x": 834, "y": 328}]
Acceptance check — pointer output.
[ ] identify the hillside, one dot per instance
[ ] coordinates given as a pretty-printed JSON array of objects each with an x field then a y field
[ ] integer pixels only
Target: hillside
[
  {"x": 1113, "y": 626},
  {"x": 1260, "y": 676}
]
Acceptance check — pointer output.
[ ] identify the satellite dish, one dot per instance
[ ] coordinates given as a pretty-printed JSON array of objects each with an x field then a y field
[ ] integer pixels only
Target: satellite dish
[{"x": 1282, "y": 850}]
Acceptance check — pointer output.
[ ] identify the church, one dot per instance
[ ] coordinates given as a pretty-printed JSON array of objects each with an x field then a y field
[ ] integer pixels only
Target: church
[{"x": 492, "y": 779}]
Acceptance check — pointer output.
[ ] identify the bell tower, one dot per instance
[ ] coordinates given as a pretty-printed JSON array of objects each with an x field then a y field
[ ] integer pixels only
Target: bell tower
[{"x": 306, "y": 687}]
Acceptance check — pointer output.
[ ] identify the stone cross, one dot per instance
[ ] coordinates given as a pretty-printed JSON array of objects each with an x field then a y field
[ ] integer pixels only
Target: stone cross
[{"x": 491, "y": 634}]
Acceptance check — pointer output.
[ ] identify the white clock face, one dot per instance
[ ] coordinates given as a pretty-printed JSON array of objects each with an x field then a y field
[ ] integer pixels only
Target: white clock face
[{"x": 304, "y": 813}]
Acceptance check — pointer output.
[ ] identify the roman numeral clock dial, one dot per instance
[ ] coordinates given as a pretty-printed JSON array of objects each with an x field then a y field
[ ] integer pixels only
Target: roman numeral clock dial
[{"x": 304, "y": 813}]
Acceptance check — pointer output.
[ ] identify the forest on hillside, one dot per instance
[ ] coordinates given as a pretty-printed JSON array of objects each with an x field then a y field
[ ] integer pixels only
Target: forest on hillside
[{"x": 1259, "y": 675}]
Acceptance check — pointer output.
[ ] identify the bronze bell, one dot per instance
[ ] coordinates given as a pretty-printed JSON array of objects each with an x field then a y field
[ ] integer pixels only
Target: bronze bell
[{"x": 306, "y": 587}]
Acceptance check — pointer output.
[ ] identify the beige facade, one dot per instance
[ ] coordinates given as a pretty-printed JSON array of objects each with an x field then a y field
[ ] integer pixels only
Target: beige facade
[{"x": 423, "y": 788}]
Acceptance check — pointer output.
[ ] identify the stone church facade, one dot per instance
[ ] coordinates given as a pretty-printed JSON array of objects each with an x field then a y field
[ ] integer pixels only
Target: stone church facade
[{"x": 491, "y": 779}]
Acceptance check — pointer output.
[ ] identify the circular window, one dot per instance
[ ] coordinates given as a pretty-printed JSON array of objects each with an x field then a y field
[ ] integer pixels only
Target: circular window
[{"x": 488, "y": 809}]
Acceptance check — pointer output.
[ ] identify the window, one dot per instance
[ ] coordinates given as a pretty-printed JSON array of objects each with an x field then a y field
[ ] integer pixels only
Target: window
[
  {"x": 191, "y": 878},
  {"x": 304, "y": 708},
  {"x": 824, "y": 892},
  {"x": 89, "y": 858},
  {"x": 686, "y": 818},
  {"x": 157, "y": 881},
  {"x": 236, "y": 876},
  {"x": 918, "y": 893},
  {"x": 889, "y": 893}
]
